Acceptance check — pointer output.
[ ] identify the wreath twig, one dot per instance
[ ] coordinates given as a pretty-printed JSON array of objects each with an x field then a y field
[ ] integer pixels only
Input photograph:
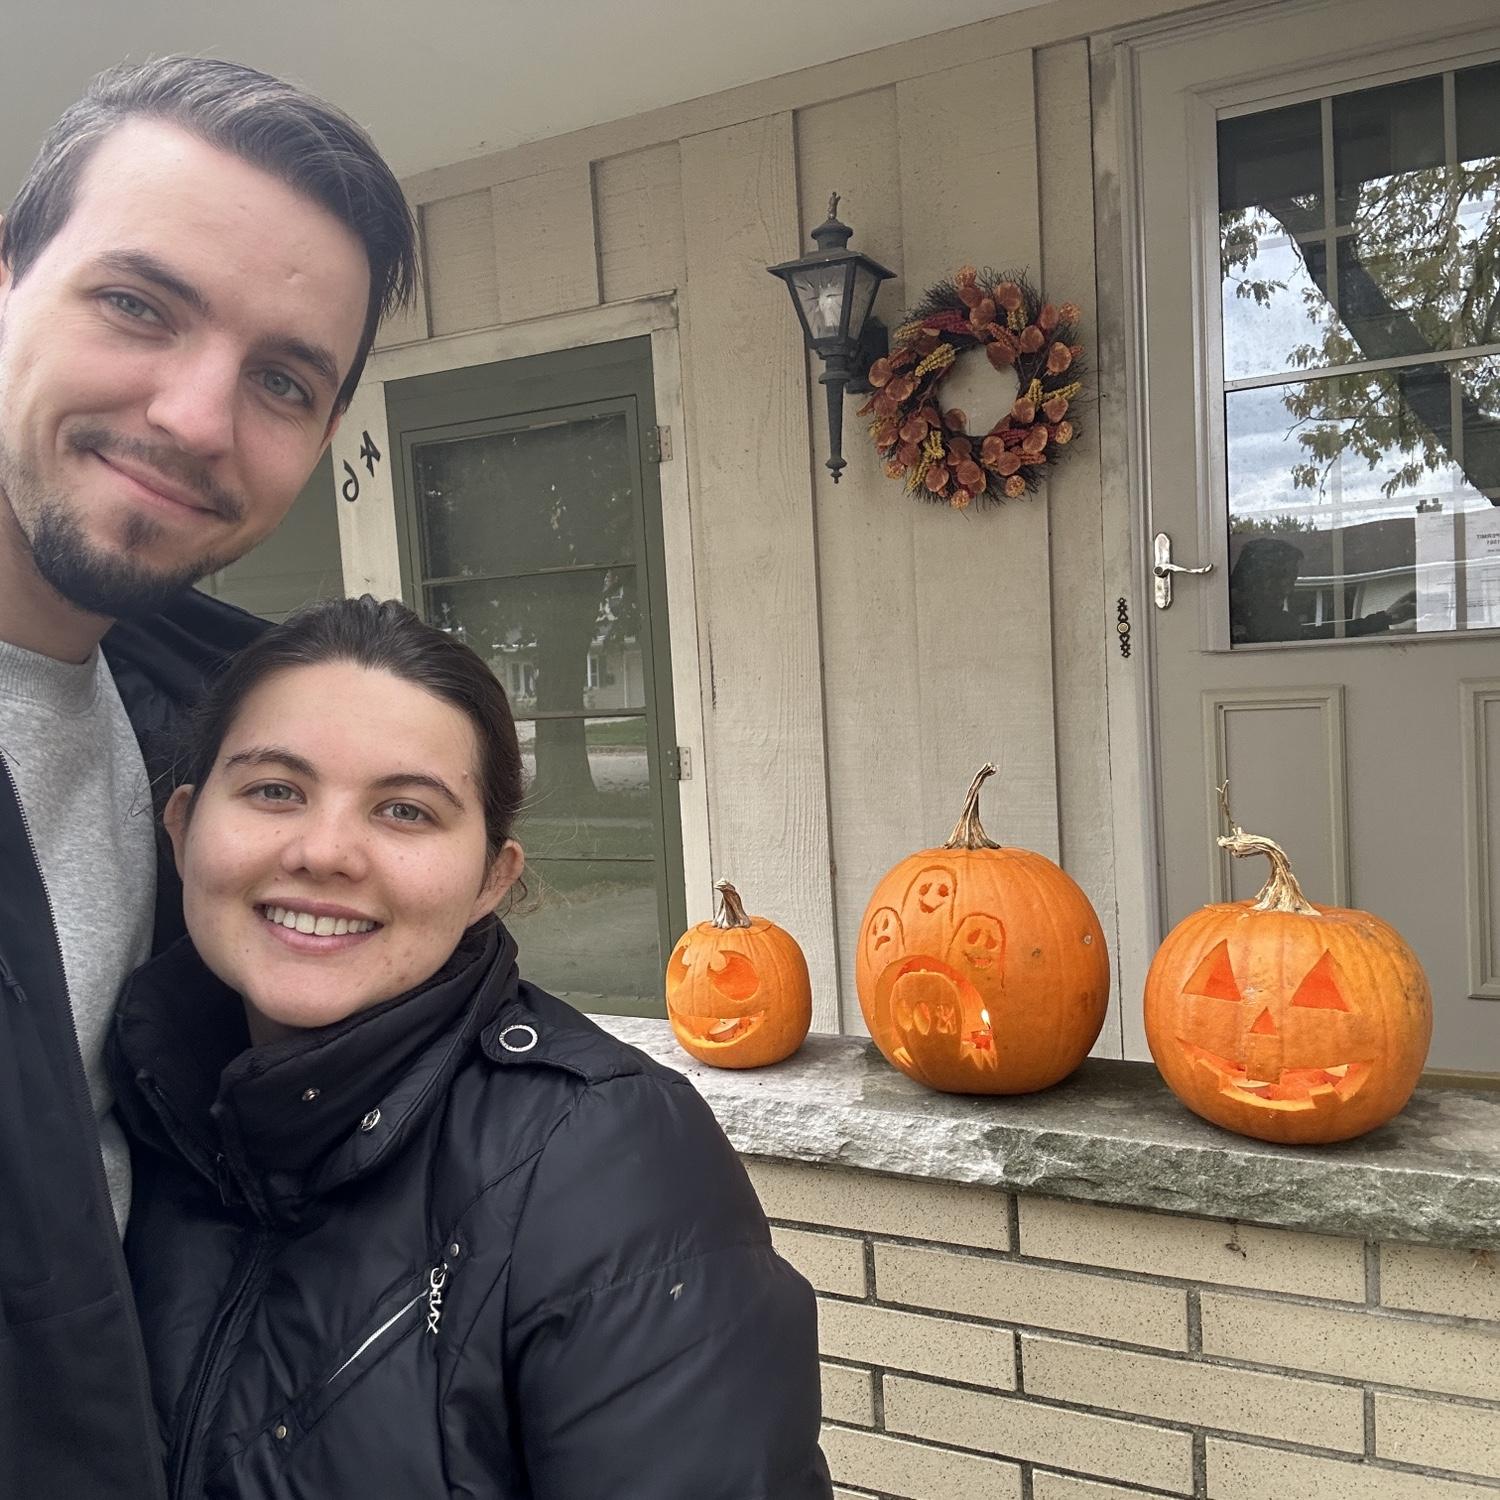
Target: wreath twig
[{"x": 931, "y": 449}]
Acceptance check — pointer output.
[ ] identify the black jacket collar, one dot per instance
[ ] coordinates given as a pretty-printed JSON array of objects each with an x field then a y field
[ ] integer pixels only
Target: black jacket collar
[{"x": 278, "y": 1126}]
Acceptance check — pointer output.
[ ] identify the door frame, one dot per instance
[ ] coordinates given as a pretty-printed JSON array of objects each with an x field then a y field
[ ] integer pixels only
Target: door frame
[
  {"x": 369, "y": 527},
  {"x": 1122, "y": 335}
]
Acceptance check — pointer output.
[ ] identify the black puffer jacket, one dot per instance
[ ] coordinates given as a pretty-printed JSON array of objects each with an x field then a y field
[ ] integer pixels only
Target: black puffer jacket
[
  {"x": 75, "y": 1410},
  {"x": 462, "y": 1244}
]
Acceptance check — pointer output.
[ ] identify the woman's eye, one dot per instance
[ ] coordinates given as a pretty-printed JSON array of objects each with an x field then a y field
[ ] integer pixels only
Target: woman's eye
[
  {"x": 407, "y": 812},
  {"x": 273, "y": 791}
]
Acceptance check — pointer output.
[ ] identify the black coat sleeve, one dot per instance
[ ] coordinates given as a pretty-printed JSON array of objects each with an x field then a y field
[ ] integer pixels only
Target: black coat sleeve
[{"x": 657, "y": 1345}]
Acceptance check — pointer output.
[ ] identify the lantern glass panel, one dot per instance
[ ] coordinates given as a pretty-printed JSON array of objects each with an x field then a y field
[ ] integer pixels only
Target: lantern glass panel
[
  {"x": 820, "y": 291},
  {"x": 866, "y": 284}
]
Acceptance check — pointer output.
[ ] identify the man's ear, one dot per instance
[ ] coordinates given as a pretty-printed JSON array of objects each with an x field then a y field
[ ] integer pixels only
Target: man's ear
[
  {"x": 175, "y": 820},
  {"x": 505, "y": 869}
]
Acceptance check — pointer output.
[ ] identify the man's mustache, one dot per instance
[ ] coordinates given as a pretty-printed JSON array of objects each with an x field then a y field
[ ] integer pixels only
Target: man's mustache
[{"x": 170, "y": 463}]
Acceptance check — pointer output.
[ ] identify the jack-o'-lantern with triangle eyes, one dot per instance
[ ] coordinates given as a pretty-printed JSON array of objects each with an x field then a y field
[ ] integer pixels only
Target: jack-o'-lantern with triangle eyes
[
  {"x": 738, "y": 992},
  {"x": 981, "y": 967},
  {"x": 1286, "y": 1021}
]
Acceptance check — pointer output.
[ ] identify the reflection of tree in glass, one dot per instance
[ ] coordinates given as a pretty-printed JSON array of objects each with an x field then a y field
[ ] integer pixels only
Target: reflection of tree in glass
[
  {"x": 541, "y": 513},
  {"x": 1420, "y": 272},
  {"x": 1243, "y": 525}
]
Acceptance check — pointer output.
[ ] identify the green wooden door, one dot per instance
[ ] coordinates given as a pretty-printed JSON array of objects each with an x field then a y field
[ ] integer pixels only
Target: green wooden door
[{"x": 531, "y": 529}]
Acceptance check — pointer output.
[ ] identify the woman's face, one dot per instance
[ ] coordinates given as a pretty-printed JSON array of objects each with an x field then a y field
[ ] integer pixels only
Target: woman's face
[{"x": 336, "y": 852}]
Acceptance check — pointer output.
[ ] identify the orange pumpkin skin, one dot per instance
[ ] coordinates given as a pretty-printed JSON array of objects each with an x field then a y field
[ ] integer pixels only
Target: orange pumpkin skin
[
  {"x": 738, "y": 992},
  {"x": 1298, "y": 1026},
  {"x": 981, "y": 970}
]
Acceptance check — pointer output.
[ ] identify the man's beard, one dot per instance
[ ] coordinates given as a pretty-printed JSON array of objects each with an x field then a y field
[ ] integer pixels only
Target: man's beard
[{"x": 111, "y": 584}]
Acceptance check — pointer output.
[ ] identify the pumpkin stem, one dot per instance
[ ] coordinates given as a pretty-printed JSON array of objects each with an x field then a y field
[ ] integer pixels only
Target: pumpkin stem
[
  {"x": 968, "y": 832},
  {"x": 731, "y": 912},
  {"x": 1281, "y": 891}
]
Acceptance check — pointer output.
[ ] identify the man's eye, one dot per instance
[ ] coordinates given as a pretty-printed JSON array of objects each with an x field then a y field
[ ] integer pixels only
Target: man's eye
[
  {"x": 284, "y": 388},
  {"x": 407, "y": 812},
  {"x": 130, "y": 305}
]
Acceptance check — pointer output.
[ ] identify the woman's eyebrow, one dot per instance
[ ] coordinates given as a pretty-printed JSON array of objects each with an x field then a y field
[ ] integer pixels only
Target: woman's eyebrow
[
  {"x": 272, "y": 755},
  {"x": 418, "y": 778}
]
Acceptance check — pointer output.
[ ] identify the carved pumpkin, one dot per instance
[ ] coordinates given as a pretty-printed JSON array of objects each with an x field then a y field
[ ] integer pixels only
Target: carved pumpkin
[
  {"x": 981, "y": 969},
  {"x": 1286, "y": 1021},
  {"x": 738, "y": 994}
]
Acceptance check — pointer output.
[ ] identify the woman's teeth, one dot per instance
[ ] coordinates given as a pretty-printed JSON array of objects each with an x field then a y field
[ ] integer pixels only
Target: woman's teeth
[{"x": 304, "y": 921}]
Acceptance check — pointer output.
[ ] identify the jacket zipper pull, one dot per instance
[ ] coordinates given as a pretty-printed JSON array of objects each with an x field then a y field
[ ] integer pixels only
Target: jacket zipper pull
[
  {"x": 10, "y": 982},
  {"x": 437, "y": 1279}
]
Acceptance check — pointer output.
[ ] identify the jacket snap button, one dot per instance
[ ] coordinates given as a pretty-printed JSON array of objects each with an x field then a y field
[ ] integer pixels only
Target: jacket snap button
[
  {"x": 308, "y": 1095},
  {"x": 518, "y": 1037},
  {"x": 279, "y": 1431},
  {"x": 453, "y": 1250},
  {"x": 371, "y": 1120}
]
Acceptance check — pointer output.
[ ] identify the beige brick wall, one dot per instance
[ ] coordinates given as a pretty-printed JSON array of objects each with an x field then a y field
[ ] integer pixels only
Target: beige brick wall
[{"x": 1033, "y": 1349}]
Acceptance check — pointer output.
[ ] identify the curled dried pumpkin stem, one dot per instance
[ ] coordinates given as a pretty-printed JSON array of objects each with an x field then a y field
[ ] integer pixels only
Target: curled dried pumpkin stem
[
  {"x": 1281, "y": 891},
  {"x": 968, "y": 832},
  {"x": 731, "y": 912}
]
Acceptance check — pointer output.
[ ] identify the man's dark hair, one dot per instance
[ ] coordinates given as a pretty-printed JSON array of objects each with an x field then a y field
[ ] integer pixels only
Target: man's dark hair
[{"x": 298, "y": 138}]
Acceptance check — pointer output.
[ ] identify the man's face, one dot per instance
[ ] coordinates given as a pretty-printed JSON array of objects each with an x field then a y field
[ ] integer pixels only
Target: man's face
[{"x": 168, "y": 368}]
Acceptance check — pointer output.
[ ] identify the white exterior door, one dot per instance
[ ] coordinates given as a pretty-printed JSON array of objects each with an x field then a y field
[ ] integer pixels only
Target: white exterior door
[{"x": 1319, "y": 190}]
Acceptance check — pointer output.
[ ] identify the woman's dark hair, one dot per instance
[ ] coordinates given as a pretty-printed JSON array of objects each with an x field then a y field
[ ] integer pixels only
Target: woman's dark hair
[
  {"x": 284, "y": 130},
  {"x": 384, "y": 637}
]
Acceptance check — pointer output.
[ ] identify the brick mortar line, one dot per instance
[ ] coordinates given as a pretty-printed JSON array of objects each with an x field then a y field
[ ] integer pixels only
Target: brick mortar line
[
  {"x": 1377, "y": 1465},
  {"x": 1197, "y": 1430},
  {"x": 939, "y": 1446},
  {"x": 1200, "y": 1463},
  {"x": 1189, "y": 1357},
  {"x": 872, "y": 1238},
  {"x": 1372, "y": 1274},
  {"x": 1087, "y": 1268},
  {"x": 1369, "y": 1415}
]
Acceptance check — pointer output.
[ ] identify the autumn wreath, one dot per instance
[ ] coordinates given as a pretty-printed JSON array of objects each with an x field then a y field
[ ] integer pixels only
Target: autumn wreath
[{"x": 931, "y": 448}]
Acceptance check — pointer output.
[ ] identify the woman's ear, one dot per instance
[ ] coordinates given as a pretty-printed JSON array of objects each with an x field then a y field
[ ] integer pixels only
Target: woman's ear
[
  {"x": 505, "y": 869},
  {"x": 175, "y": 819}
]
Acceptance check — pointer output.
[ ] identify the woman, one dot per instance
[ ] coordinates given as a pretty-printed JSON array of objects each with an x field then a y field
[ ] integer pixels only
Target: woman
[{"x": 404, "y": 1225}]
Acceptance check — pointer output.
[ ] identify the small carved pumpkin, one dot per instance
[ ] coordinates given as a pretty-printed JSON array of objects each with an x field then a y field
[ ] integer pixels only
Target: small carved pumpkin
[
  {"x": 738, "y": 993},
  {"x": 981, "y": 969},
  {"x": 1286, "y": 1021}
]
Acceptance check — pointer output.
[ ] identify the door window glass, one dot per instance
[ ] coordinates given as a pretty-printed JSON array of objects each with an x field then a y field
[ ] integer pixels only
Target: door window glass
[{"x": 1360, "y": 299}]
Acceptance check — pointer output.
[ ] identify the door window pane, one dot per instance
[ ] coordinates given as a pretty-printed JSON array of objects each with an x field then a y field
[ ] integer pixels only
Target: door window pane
[
  {"x": 1361, "y": 503},
  {"x": 558, "y": 495},
  {"x": 592, "y": 936}
]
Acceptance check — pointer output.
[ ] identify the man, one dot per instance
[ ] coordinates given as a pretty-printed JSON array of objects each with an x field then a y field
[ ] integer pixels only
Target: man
[{"x": 190, "y": 280}]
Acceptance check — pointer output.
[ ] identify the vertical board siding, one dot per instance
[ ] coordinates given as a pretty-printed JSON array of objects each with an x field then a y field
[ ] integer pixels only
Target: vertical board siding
[
  {"x": 968, "y": 165},
  {"x": 1083, "y": 619},
  {"x": 544, "y": 243},
  {"x": 463, "y": 289},
  {"x": 753, "y": 538},
  {"x": 638, "y": 219},
  {"x": 865, "y": 539}
]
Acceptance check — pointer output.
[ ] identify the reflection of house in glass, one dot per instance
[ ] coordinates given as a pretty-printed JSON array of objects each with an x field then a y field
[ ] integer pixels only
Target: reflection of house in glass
[
  {"x": 1365, "y": 578},
  {"x": 613, "y": 677}
]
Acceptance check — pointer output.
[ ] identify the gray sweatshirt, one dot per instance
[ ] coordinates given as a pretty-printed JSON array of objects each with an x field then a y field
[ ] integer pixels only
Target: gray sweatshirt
[{"x": 78, "y": 768}]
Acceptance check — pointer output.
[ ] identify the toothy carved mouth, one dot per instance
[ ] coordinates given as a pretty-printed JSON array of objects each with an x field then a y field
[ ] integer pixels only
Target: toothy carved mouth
[
  {"x": 717, "y": 1031},
  {"x": 1291, "y": 1089}
]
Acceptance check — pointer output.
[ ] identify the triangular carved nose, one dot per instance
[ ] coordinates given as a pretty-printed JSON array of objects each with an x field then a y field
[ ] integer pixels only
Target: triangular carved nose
[{"x": 1264, "y": 1025}]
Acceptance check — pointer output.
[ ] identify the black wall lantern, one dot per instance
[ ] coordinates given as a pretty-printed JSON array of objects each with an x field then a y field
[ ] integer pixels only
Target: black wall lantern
[{"x": 833, "y": 291}]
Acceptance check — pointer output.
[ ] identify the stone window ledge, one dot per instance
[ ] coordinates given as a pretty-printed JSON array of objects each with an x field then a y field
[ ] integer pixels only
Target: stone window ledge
[{"x": 1112, "y": 1133}]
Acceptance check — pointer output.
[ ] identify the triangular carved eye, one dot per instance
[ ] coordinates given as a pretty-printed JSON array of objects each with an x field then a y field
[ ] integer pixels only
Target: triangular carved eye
[
  {"x": 1322, "y": 988},
  {"x": 1214, "y": 977}
]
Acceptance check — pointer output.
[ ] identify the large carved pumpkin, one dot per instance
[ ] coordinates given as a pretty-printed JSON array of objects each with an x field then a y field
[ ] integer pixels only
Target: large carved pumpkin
[
  {"x": 738, "y": 993},
  {"x": 981, "y": 969},
  {"x": 1283, "y": 1020}
]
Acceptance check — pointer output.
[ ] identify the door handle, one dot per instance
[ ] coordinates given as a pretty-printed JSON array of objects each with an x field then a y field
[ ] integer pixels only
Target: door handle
[{"x": 1163, "y": 568}]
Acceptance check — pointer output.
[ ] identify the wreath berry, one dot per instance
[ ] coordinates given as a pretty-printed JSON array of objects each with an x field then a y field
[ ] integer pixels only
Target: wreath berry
[{"x": 931, "y": 448}]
